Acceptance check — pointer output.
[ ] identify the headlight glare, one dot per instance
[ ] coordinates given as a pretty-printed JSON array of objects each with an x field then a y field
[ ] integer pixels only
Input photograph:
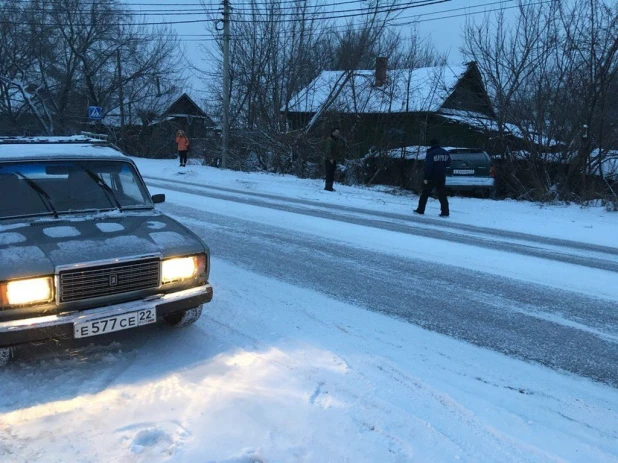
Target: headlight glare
[
  {"x": 179, "y": 268},
  {"x": 31, "y": 291}
]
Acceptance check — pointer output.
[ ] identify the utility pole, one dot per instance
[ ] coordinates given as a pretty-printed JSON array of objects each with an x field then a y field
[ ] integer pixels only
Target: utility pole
[
  {"x": 226, "y": 83},
  {"x": 120, "y": 92}
]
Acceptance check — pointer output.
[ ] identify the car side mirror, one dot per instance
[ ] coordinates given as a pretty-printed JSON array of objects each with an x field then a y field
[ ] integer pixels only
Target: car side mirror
[{"x": 160, "y": 198}]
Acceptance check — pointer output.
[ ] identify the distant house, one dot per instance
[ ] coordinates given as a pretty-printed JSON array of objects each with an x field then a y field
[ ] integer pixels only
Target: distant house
[
  {"x": 151, "y": 130},
  {"x": 387, "y": 109},
  {"x": 187, "y": 115},
  {"x": 183, "y": 113}
]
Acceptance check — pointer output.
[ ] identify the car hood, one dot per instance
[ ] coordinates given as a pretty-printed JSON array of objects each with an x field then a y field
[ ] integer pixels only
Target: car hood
[{"x": 37, "y": 247}]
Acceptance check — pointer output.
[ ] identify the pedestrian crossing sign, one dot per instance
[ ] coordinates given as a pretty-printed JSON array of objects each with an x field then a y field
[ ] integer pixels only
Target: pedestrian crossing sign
[{"x": 95, "y": 112}]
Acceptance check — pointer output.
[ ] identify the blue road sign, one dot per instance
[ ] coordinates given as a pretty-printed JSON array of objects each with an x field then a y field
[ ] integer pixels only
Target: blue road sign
[{"x": 95, "y": 112}]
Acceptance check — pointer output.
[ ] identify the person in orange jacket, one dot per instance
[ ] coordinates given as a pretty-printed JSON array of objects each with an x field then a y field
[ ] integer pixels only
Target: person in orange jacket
[{"x": 182, "y": 142}]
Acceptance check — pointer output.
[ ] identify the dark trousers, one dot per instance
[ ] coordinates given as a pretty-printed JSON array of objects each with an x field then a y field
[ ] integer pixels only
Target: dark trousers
[
  {"x": 183, "y": 157},
  {"x": 438, "y": 184},
  {"x": 330, "y": 173}
]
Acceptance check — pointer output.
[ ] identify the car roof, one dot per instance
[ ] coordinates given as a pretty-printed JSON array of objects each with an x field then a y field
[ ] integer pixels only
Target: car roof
[
  {"x": 70, "y": 147},
  {"x": 455, "y": 150}
]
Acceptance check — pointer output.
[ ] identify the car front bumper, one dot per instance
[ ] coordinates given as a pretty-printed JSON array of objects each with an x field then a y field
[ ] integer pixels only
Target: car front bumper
[{"x": 22, "y": 331}]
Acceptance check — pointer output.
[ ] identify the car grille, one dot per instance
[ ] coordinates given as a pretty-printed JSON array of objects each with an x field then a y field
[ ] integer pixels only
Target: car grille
[{"x": 105, "y": 280}]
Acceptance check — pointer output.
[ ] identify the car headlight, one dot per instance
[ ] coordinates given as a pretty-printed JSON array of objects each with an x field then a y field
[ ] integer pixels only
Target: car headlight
[
  {"x": 182, "y": 268},
  {"x": 29, "y": 291}
]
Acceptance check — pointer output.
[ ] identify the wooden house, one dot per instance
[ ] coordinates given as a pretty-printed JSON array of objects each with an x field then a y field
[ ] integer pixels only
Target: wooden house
[
  {"x": 184, "y": 114},
  {"x": 385, "y": 109}
]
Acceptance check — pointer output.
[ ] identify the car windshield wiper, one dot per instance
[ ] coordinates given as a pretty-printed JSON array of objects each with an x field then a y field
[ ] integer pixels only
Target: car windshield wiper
[
  {"x": 41, "y": 192},
  {"x": 99, "y": 181}
]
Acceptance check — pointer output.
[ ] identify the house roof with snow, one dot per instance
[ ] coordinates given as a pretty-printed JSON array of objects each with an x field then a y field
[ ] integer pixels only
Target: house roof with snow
[{"x": 405, "y": 91}]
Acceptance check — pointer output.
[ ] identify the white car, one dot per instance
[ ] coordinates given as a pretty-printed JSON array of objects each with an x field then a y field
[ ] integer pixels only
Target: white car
[{"x": 471, "y": 170}]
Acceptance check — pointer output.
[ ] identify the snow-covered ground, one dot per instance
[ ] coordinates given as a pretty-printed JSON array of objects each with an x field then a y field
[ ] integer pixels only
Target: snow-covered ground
[
  {"x": 572, "y": 222},
  {"x": 274, "y": 373},
  {"x": 279, "y": 372}
]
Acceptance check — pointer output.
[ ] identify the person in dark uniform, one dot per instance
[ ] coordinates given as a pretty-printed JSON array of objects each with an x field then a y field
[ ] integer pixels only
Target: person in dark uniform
[
  {"x": 333, "y": 153},
  {"x": 436, "y": 162}
]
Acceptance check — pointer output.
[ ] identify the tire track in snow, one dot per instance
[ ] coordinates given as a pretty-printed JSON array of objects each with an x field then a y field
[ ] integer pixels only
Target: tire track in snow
[
  {"x": 440, "y": 223},
  {"x": 559, "y": 329},
  {"x": 600, "y": 257}
]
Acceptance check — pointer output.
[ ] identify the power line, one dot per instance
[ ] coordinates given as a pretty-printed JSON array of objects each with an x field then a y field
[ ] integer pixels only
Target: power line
[
  {"x": 244, "y": 8},
  {"x": 464, "y": 14},
  {"x": 198, "y": 38},
  {"x": 467, "y": 8},
  {"x": 202, "y": 10},
  {"x": 334, "y": 28},
  {"x": 418, "y": 21},
  {"x": 359, "y": 12},
  {"x": 468, "y": 13},
  {"x": 176, "y": 5}
]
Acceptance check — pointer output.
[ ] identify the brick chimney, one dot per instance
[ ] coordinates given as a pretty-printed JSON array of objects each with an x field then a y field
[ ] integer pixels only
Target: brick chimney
[{"x": 381, "y": 71}]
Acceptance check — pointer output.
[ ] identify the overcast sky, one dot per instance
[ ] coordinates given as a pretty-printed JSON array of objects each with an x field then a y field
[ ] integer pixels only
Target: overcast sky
[{"x": 441, "y": 23}]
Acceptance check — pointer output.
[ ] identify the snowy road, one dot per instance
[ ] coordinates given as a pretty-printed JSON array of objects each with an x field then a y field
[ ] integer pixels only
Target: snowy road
[
  {"x": 589, "y": 255},
  {"x": 557, "y": 328},
  {"x": 341, "y": 336}
]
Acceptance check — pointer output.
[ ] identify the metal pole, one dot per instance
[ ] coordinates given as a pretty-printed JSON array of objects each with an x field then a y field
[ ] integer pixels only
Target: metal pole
[
  {"x": 120, "y": 89},
  {"x": 226, "y": 83}
]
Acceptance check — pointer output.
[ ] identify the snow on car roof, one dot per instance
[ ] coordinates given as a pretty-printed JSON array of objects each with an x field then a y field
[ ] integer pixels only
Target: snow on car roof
[{"x": 73, "y": 147}]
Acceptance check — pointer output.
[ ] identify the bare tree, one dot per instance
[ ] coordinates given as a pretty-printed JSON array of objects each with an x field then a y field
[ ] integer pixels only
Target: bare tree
[
  {"x": 551, "y": 76},
  {"x": 81, "y": 53},
  {"x": 591, "y": 49},
  {"x": 18, "y": 64},
  {"x": 510, "y": 55},
  {"x": 277, "y": 49}
]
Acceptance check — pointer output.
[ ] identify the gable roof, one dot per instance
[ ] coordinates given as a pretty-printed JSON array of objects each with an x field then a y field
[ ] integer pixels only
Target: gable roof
[
  {"x": 406, "y": 90},
  {"x": 185, "y": 106}
]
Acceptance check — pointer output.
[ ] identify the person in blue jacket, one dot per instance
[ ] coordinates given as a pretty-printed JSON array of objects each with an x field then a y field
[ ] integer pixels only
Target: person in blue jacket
[{"x": 436, "y": 162}]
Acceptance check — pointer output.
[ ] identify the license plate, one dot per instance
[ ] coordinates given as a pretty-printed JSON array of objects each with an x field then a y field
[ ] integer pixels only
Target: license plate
[
  {"x": 463, "y": 172},
  {"x": 115, "y": 323}
]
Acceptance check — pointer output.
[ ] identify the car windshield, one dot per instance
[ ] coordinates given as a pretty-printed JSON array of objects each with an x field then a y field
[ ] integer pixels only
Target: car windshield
[{"x": 30, "y": 188}]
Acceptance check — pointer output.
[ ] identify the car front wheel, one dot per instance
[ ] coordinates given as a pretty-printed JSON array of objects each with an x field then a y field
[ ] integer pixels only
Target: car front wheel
[{"x": 184, "y": 318}]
